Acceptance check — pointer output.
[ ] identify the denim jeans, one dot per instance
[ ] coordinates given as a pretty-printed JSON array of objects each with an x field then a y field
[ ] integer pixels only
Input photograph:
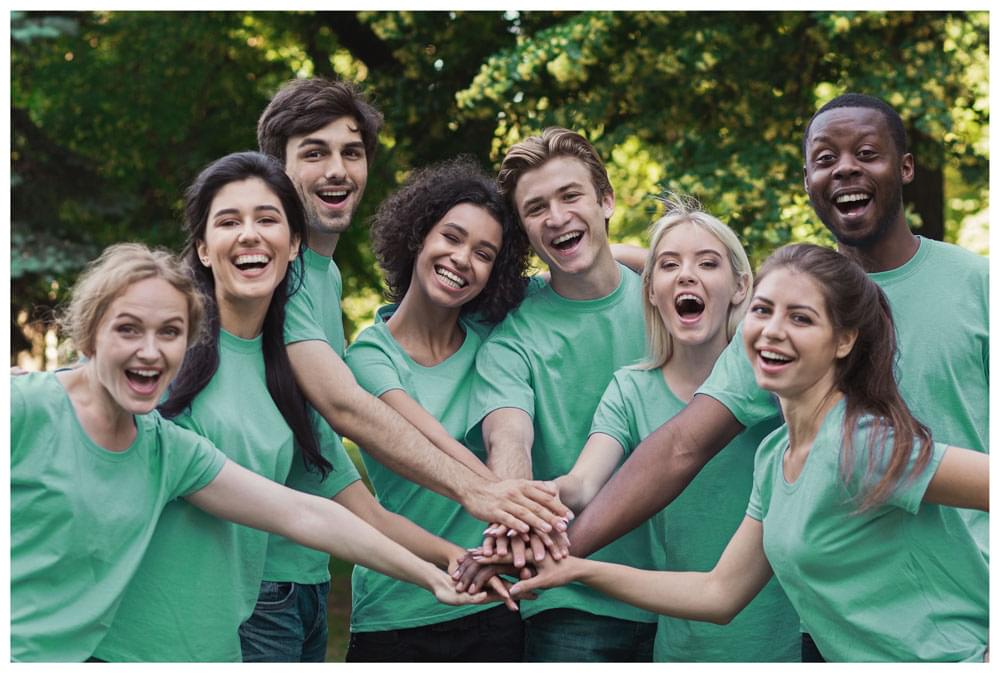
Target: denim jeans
[
  {"x": 493, "y": 635},
  {"x": 568, "y": 635},
  {"x": 288, "y": 624}
]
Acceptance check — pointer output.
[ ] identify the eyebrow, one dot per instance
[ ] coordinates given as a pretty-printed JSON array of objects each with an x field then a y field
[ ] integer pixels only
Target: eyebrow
[
  {"x": 703, "y": 251},
  {"x": 798, "y": 307},
  {"x": 465, "y": 232},
  {"x": 236, "y": 211},
  {"x": 319, "y": 142},
  {"x": 128, "y": 315}
]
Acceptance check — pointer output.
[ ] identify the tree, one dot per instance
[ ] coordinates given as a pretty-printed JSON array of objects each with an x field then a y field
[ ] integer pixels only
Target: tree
[{"x": 114, "y": 113}]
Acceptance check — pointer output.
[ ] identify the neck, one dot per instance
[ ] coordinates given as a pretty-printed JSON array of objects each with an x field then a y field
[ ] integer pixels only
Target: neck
[
  {"x": 805, "y": 411},
  {"x": 429, "y": 334},
  {"x": 244, "y": 319},
  {"x": 690, "y": 365},
  {"x": 106, "y": 422},
  {"x": 891, "y": 251},
  {"x": 324, "y": 243},
  {"x": 599, "y": 280}
]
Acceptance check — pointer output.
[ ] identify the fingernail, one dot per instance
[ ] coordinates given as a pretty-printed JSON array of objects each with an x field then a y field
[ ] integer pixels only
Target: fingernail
[
  {"x": 562, "y": 524},
  {"x": 487, "y": 531},
  {"x": 511, "y": 532}
]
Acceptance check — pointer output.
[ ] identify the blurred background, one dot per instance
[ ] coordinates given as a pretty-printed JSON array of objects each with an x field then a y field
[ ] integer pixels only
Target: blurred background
[{"x": 114, "y": 113}]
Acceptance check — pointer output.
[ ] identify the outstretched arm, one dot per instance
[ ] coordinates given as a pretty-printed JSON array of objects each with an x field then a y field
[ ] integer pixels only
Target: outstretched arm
[
  {"x": 962, "y": 480},
  {"x": 655, "y": 474},
  {"x": 331, "y": 388},
  {"x": 592, "y": 469},
  {"x": 436, "y": 550},
  {"x": 247, "y": 498},
  {"x": 716, "y": 596}
]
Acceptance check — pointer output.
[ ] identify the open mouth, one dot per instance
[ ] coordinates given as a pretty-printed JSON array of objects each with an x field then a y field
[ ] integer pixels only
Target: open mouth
[
  {"x": 248, "y": 262},
  {"x": 689, "y": 307},
  {"x": 450, "y": 279},
  {"x": 567, "y": 241},
  {"x": 143, "y": 381},
  {"x": 773, "y": 358},
  {"x": 852, "y": 203},
  {"x": 333, "y": 197}
]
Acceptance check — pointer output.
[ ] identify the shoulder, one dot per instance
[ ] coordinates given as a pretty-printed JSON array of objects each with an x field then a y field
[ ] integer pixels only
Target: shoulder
[
  {"x": 956, "y": 257},
  {"x": 373, "y": 340}
]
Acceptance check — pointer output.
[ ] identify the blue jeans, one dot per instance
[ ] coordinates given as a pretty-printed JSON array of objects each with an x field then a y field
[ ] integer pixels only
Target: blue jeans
[
  {"x": 288, "y": 624},
  {"x": 493, "y": 635},
  {"x": 568, "y": 635}
]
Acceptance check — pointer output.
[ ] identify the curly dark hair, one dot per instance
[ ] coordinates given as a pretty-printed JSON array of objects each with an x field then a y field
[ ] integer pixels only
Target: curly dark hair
[{"x": 404, "y": 219}]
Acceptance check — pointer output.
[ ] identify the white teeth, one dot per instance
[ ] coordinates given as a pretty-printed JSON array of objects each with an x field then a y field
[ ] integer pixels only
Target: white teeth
[
  {"x": 251, "y": 259},
  {"x": 453, "y": 279},
  {"x": 855, "y": 196},
  {"x": 145, "y": 373},
  {"x": 689, "y": 296},
  {"x": 771, "y": 355},
  {"x": 333, "y": 193},
  {"x": 565, "y": 237}
]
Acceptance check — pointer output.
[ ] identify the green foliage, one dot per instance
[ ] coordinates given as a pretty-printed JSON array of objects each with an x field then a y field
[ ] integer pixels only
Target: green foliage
[{"x": 114, "y": 113}]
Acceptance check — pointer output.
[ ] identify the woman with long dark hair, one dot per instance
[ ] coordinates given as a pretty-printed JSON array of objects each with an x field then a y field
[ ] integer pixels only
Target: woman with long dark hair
[
  {"x": 201, "y": 576},
  {"x": 854, "y": 508}
]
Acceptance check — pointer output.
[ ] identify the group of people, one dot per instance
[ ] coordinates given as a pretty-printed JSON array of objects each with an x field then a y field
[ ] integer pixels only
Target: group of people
[{"x": 673, "y": 460}]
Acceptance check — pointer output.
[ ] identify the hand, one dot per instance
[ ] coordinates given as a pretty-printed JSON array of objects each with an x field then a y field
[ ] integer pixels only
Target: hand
[
  {"x": 519, "y": 504},
  {"x": 548, "y": 573},
  {"x": 472, "y": 576},
  {"x": 445, "y": 592},
  {"x": 17, "y": 371}
]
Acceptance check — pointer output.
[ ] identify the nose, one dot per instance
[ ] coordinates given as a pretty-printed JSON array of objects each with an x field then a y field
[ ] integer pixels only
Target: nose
[
  {"x": 335, "y": 170},
  {"x": 774, "y": 328},
  {"x": 149, "y": 350},
  {"x": 460, "y": 257},
  {"x": 558, "y": 216},
  {"x": 846, "y": 167},
  {"x": 687, "y": 274},
  {"x": 248, "y": 232}
]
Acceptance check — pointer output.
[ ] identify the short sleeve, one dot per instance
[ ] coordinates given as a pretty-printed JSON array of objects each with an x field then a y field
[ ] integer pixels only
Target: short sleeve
[
  {"x": 614, "y": 417},
  {"x": 503, "y": 379},
  {"x": 733, "y": 384},
  {"x": 192, "y": 462},
  {"x": 372, "y": 366},
  {"x": 18, "y": 418},
  {"x": 300, "y": 322},
  {"x": 763, "y": 474},
  {"x": 343, "y": 471}
]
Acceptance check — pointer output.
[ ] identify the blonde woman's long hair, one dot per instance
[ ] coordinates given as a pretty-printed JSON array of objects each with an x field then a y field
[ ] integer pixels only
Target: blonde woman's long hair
[{"x": 681, "y": 210}]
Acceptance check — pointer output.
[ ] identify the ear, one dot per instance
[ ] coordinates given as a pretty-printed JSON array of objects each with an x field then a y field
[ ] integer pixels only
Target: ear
[
  {"x": 805, "y": 178},
  {"x": 608, "y": 203},
  {"x": 742, "y": 288},
  {"x": 906, "y": 168},
  {"x": 203, "y": 254},
  {"x": 845, "y": 342},
  {"x": 294, "y": 252}
]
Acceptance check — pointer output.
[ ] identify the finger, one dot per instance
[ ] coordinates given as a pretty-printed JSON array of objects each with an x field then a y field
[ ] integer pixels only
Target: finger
[
  {"x": 537, "y": 548},
  {"x": 543, "y": 500},
  {"x": 500, "y": 589},
  {"x": 524, "y": 586},
  {"x": 502, "y": 545},
  {"x": 517, "y": 548},
  {"x": 468, "y": 578},
  {"x": 549, "y": 544},
  {"x": 489, "y": 545},
  {"x": 462, "y": 569}
]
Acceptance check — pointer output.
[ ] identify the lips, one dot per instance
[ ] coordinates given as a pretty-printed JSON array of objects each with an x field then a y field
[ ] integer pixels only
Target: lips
[
  {"x": 568, "y": 242},
  {"x": 334, "y": 197},
  {"x": 852, "y": 202},
  {"x": 772, "y": 362},
  {"x": 689, "y": 307},
  {"x": 450, "y": 278},
  {"x": 143, "y": 381}
]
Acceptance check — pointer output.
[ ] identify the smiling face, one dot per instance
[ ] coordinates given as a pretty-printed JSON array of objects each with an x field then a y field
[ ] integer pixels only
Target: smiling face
[
  {"x": 789, "y": 336},
  {"x": 456, "y": 257},
  {"x": 563, "y": 215},
  {"x": 330, "y": 169},
  {"x": 247, "y": 244},
  {"x": 694, "y": 286},
  {"x": 854, "y": 175},
  {"x": 140, "y": 343}
]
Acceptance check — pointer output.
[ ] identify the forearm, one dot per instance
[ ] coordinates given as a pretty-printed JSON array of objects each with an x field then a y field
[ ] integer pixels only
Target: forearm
[
  {"x": 686, "y": 595},
  {"x": 508, "y": 434},
  {"x": 655, "y": 474},
  {"x": 416, "y": 539}
]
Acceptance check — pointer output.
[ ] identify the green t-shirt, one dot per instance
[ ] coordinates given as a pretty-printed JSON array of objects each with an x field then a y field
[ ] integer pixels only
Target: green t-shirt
[
  {"x": 81, "y": 516},
  {"x": 553, "y": 357},
  {"x": 380, "y": 364},
  {"x": 313, "y": 313},
  {"x": 902, "y": 582},
  {"x": 201, "y": 575},
  {"x": 940, "y": 306},
  {"x": 697, "y": 526}
]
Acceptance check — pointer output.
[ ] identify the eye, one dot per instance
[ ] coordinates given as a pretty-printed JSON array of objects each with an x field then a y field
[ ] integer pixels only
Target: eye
[
  {"x": 451, "y": 237},
  {"x": 668, "y": 265},
  {"x": 269, "y": 220},
  {"x": 172, "y": 331},
  {"x": 867, "y": 154},
  {"x": 354, "y": 153},
  {"x": 709, "y": 264},
  {"x": 228, "y": 222},
  {"x": 127, "y": 329},
  {"x": 534, "y": 209},
  {"x": 760, "y": 310},
  {"x": 313, "y": 154},
  {"x": 571, "y": 196},
  {"x": 824, "y": 158},
  {"x": 485, "y": 255},
  {"x": 801, "y": 319}
]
